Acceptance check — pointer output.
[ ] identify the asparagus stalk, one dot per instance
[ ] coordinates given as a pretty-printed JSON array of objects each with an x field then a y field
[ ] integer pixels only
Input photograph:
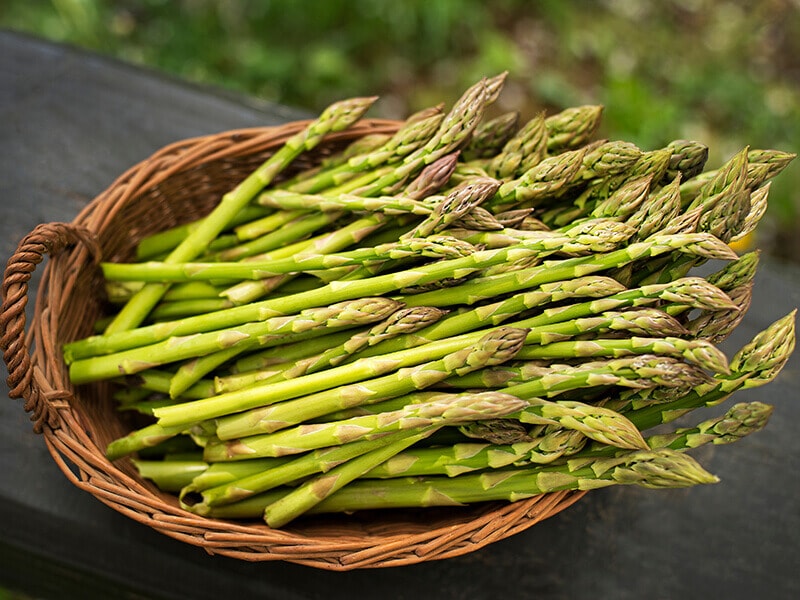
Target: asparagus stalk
[
  {"x": 541, "y": 181},
  {"x": 162, "y": 242},
  {"x": 655, "y": 469},
  {"x": 260, "y": 333},
  {"x": 639, "y": 372},
  {"x": 391, "y": 205},
  {"x": 148, "y": 437},
  {"x": 401, "y": 322},
  {"x": 491, "y": 136},
  {"x": 482, "y": 288},
  {"x": 218, "y": 474},
  {"x": 762, "y": 165},
  {"x": 260, "y": 228},
  {"x": 415, "y": 132},
  {"x": 251, "y": 481},
  {"x": 758, "y": 207},
  {"x": 569, "y": 320},
  {"x": 739, "y": 421},
  {"x": 347, "y": 235},
  {"x": 444, "y": 409},
  {"x": 479, "y": 219},
  {"x": 466, "y": 457},
  {"x": 496, "y": 347},
  {"x": 312, "y": 492},
  {"x": 362, "y": 145},
  {"x": 455, "y": 205},
  {"x": 715, "y": 326},
  {"x": 608, "y": 158},
  {"x": 289, "y": 353},
  {"x": 522, "y": 152},
  {"x": 572, "y": 127},
  {"x": 428, "y": 247},
  {"x": 688, "y": 159},
  {"x": 344, "y": 314},
  {"x": 755, "y": 364},
  {"x": 170, "y": 475},
  {"x": 601, "y": 237},
  {"x": 302, "y": 225},
  {"x": 699, "y": 352},
  {"x": 453, "y": 133},
  {"x": 158, "y": 381},
  {"x": 660, "y": 208},
  {"x": 336, "y": 117}
]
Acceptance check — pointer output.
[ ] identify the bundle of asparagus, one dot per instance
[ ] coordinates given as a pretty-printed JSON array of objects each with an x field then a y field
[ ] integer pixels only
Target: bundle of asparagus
[{"x": 468, "y": 310}]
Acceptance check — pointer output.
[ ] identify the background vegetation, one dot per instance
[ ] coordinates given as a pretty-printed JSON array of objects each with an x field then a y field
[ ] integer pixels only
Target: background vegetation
[{"x": 725, "y": 72}]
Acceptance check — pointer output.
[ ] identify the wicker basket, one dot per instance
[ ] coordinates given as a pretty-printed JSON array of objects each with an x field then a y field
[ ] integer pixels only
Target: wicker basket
[{"x": 179, "y": 183}]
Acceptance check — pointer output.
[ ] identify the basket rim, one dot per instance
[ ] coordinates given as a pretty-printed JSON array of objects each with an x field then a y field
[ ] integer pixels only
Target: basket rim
[{"x": 72, "y": 446}]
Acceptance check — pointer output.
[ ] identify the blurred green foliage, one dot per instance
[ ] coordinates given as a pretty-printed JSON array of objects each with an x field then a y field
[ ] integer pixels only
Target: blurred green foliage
[{"x": 725, "y": 72}]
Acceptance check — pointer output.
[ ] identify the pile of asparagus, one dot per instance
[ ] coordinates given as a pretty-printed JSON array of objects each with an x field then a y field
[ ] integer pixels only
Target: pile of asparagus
[{"x": 469, "y": 310}]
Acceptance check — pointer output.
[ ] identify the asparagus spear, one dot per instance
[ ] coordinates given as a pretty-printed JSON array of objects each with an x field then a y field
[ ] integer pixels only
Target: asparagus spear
[
  {"x": 761, "y": 166},
  {"x": 635, "y": 372},
  {"x": 444, "y": 409},
  {"x": 397, "y": 204},
  {"x": 415, "y": 132},
  {"x": 540, "y": 181},
  {"x": 496, "y": 347},
  {"x": 491, "y": 136},
  {"x": 739, "y": 421},
  {"x": 171, "y": 475},
  {"x": 715, "y": 326},
  {"x": 162, "y": 242},
  {"x": 315, "y": 490},
  {"x": 699, "y": 352},
  {"x": 661, "y": 207},
  {"x": 655, "y": 469},
  {"x": 758, "y": 207},
  {"x": 344, "y": 314},
  {"x": 608, "y": 158},
  {"x": 481, "y": 288},
  {"x": 432, "y": 272},
  {"x": 522, "y": 152},
  {"x": 199, "y": 498},
  {"x": 688, "y": 159},
  {"x": 572, "y": 127},
  {"x": 429, "y": 247},
  {"x": 453, "y": 133},
  {"x": 299, "y": 227},
  {"x": 479, "y": 219},
  {"x": 731, "y": 176},
  {"x": 755, "y": 364},
  {"x": 401, "y": 322},
  {"x": 455, "y": 205},
  {"x": 260, "y": 333},
  {"x": 336, "y": 117}
]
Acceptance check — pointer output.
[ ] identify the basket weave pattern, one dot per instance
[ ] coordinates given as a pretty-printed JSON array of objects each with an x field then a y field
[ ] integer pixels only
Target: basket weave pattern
[{"x": 177, "y": 184}]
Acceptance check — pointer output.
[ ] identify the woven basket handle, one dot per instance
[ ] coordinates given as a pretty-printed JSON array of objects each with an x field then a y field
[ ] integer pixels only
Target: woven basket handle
[{"x": 49, "y": 238}]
